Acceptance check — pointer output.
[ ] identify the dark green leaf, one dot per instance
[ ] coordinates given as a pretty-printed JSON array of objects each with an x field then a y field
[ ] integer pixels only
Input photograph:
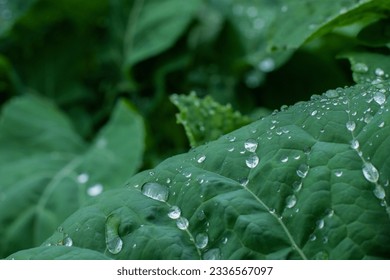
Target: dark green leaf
[
  {"x": 48, "y": 172},
  {"x": 309, "y": 182},
  {"x": 376, "y": 34}
]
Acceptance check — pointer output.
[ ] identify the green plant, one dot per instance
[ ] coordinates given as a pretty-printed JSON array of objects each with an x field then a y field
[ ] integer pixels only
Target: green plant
[{"x": 307, "y": 181}]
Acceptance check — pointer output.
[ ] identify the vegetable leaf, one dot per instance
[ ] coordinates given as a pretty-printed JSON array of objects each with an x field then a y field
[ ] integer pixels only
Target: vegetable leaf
[
  {"x": 308, "y": 182},
  {"x": 205, "y": 120},
  {"x": 55, "y": 170}
]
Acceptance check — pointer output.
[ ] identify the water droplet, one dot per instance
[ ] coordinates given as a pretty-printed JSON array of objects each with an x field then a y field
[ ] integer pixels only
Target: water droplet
[
  {"x": 155, "y": 191},
  {"x": 355, "y": 144},
  {"x": 201, "y": 215},
  {"x": 332, "y": 93},
  {"x": 338, "y": 173},
  {"x": 351, "y": 125},
  {"x": 201, "y": 240},
  {"x": 251, "y": 145},
  {"x": 284, "y": 159},
  {"x": 95, "y": 190},
  {"x": 252, "y": 161},
  {"x": 325, "y": 240},
  {"x": 187, "y": 174},
  {"x": 297, "y": 157},
  {"x": 329, "y": 213},
  {"x": 68, "y": 241},
  {"x": 231, "y": 138},
  {"x": 113, "y": 242},
  {"x": 267, "y": 65},
  {"x": 200, "y": 158},
  {"x": 302, "y": 170},
  {"x": 380, "y": 98},
  {"x": 360, "y": 68},
  {"x": 213, "y": 254},
  {"x": 320, "y": 224},
  {"x": 370, "y": 172},
  {"x": 82, "y": 178},
  {"x": 312, "y": 237},
  {"x": 368, "y": 117},
  {"x": 231, "y": 149},
  {"x": 379, "y": 192},
  {"x": 243, "y": 182},
  {"x": 382, "y": 124},
  {"x": 314, "y": 113},
  {"x": 297, "y": 185},
  {"x": 291, "y": 200},
  {"x": 379, "y": 72},
  {"x": 174, "y": 212},
  {"x": 224, "y": 240},
  {"x": 182, "y": 223}
]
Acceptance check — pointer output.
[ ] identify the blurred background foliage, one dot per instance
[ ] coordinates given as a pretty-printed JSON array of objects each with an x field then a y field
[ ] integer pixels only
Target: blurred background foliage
[{"x": 84, "y": 55}]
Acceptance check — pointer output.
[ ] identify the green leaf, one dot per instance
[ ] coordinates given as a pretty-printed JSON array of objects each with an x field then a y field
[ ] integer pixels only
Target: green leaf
[
  {"x": 308, "y": 182},
  {"x": 368, "y": 67},
  {"x": 205, "y": 120},
  {"x": 48, "y": 172},
  {"x": 154, "y": 26},
  {"x": 304, "y": 20},
  {"x": 376, "y": 34}
]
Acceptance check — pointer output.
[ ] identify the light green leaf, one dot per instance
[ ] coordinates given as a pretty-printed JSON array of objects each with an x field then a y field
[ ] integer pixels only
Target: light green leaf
[
  {"x": 308, "y": 182},
  {"x": 48, "y": 172},
  {"x": 368, "y": 67},
  {"x": 205, "y": 120},
  {"x": 155, "y": 26}
]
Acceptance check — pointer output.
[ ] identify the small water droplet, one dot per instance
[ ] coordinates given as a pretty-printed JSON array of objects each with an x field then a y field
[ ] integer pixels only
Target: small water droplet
[
  {"x": 243, "y": 181},
  {"x": 251, "y": 145},
  {"x": 379, "y": 72},
  {"x": 224, "y": 240},
  {"x": 370, "y": 172},
  {"x": 82, "y": 178},
  {"x": 231, "y": 138},
  {"x": 200, "y": 158},
  {"x": 113, "y": 242},
  {"x": 267, "y": 65},
  {"x": 325, "y": 239},
  {"x": 297, "y": 185},
  {"x": 329, "y": 213},
  {"x": 201, "y": 215},
  {"x": 174, "y": 212},
  {"x": 187, "y": 174},
  {"x": 213, "y": 254},
  {"x": 368, "y": 117},
  {"x": 380, "y": 98},
  {"x": 379, "y": 192},
  {"x": 201, "y": 240},
  {"x": 291, "y": 200},
  {"x": 302, "y": 170},
  {"x": 68, "y": 241},
  {"x": 382, "y": 124},
  {"x": 351, "y": 125},
  {"x": 252, "y": 161},
  {"x": 155, "y": 191},
  {"x": 360, "y": 68},
  {"x": 312, "y": 237},
  {"x": 320, "y": 224},
  {"x": 338, "y": 173},
  {"x": 95, "y": 190},
  {"x": 355, "y": 144},
  {"x": 182, "y": 223},
  {"x": 284, "y": 159},
  {"x": 230, "y": 149},
  {"x": 332, "y": 93},
  {"x": 314, "y": 113}
]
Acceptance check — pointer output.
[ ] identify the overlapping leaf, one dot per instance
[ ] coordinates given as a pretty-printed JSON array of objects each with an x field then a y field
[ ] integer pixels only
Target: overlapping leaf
[
  {"x": 48, "y": 171},
  {"x": 309, "y": 182}
]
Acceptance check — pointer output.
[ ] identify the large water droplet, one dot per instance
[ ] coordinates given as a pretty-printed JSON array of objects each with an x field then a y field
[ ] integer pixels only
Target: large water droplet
[
  {"x": 302, "y": 170},
  {"x": 113, "y": 241},
  {"x": 379, "y": 72},
  {"x": 201, "y": 240},
  {"x": 95, "y": 190},
  {"x": 182, "y": 223},
  {"x": 379, "y": 98},
  {"x": 370, "y": 172},
  {"x": 251, "y": 145},
  {"x": 360, "y": 68},
  {"x": 155, "y": 191},
  {"x": 252, "y": 161},
  {"x": 174, "y": 212},
  {"x": 351, "y": 125},
  {"x": 291, "y": 200}
]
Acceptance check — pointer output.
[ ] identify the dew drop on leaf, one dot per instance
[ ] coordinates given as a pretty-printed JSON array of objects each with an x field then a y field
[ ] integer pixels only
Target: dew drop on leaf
[
  {"x": 174, "y": 212},
  {"x": 95, "y": 190},
  {"x": 312, "y": 237},
  {"x": 155, "y": 191},
  {"x": 355, "y": 144},
  {"x": 370, "y": 172},
  {"x": 380, "y": 98},
  {"x": 379, "y": 192},
  {"x": 284, "y": 159},
  {"x": 297, "y": 185},
  {"x": 267, "y": 65},
  {"x": 68, "y": 241},
  {"x": 252, "y": 161},
  {"x": 320, "y": 224},
  {"x": 200, "y": 158},
  {"x": 302, "y": 170},
  {"x": 82, "y": 178},
  {"x": 113, "y": 241},
  {"x": 291, "y": 200},
  {"x": 182, "y": 223},
  {"x": 351, "y": 125},
  {"x": 360, "y": 68},
  {"x": 201, "y": 215},
  {"x": 250, "y": 145},
  {"x": 379, "y": 72},
  {"x": 338, "y": 173},
  {"x": 201, "y": 240}
]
